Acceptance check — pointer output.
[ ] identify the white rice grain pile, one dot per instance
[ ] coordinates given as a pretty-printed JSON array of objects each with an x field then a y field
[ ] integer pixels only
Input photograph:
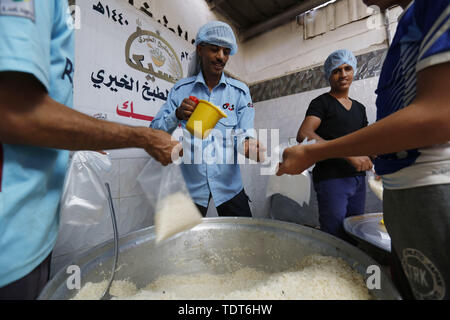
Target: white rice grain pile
[
  {"x": 315, "y": 278},
  {"x": 94, "y": 291}
]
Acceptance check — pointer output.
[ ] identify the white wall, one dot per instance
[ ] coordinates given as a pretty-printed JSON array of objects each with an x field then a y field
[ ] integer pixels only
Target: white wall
[{"x": 284, "y": 50}]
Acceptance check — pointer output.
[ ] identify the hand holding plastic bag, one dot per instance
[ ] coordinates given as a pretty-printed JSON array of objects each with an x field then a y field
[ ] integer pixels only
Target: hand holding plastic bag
[
  {"x": 295, "y": 187},
  {"x": 294, "y": 159},
  {"x": 276, "y": 157}
]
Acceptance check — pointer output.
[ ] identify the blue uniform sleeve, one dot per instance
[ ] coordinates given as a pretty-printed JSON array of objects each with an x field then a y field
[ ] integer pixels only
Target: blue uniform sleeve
[
  {"x": 25, "y": 40},
  {"x": 166, "y": 119},
  {"x": 245, "y": 117},
  {"x": 432, "y": 18}
]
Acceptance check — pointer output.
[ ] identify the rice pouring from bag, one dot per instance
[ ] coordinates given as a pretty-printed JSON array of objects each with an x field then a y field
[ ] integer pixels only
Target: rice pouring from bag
[{"x": 176, "y": 213}]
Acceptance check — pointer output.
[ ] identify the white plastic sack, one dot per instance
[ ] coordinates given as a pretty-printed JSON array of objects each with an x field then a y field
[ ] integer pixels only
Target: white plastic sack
[
  {"x": 84, "y": 193},
  {"x": 84, "y": 212}
]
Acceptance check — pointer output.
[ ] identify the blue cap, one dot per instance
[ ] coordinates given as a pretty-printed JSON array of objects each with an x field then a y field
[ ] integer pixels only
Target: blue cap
[
  {"x": 338, "y": 58},
  {"x": 217, "y": 33}
]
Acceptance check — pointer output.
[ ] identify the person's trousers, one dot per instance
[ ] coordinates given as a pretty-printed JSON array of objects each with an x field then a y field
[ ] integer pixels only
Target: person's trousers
[
  {"x": 418, "y": 223},
  {"x": 236, "y": 207},
  {"x": 338, "y": 199},
  {"x": 30, "y": 286}
]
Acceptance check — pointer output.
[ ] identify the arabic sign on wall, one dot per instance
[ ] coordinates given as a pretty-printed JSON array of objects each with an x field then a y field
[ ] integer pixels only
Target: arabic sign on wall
[{"x": 126, "y": 63}]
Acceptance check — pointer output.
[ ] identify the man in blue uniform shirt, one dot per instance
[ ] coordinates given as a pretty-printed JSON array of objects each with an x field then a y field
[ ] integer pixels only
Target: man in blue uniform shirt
[
  {"x": 36, "y": 123},
  {"x": 412, "y": 137},
  {"x": 216, "y": 173}
]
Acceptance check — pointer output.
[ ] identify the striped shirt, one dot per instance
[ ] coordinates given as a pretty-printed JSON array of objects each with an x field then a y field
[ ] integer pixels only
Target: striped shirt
[{"x": 422, "y": 40}]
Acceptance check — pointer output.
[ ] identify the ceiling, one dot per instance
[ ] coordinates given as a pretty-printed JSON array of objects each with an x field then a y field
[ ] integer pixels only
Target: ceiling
[{"x": 253, "y": 17}]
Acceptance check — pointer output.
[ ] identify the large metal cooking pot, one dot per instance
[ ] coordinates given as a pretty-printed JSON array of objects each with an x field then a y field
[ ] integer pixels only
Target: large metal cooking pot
[{"x": 217, "y": 245}]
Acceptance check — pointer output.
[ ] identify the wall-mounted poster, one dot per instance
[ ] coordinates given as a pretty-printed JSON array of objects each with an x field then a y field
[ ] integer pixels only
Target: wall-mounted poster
[{"x": 126, "y": 63}]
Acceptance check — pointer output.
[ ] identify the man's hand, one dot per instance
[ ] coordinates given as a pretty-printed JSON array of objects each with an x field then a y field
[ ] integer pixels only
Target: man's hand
[
  {"x": 184, "y": 111},
  {"x": 295, "y": 160},
  {"x": 254, "y": 150},
  {"x": 161, "y": 146},
  {"x": 360, "y": 163}
]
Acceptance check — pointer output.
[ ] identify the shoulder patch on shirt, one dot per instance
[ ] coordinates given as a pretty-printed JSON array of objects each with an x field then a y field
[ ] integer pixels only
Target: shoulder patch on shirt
[
  {"x": 184, "y": 81},
  {"x": 18, "y": 8},
  {"x": 238, "y": 84}
]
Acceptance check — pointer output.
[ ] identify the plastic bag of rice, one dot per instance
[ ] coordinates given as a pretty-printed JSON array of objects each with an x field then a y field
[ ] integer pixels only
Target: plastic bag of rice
[
  {"x": 166, "y": 190},
  {"x": 176, "y": 213}
]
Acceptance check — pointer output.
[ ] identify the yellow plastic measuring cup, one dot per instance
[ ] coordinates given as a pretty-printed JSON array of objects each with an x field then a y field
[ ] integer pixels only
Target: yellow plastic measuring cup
[{"x": 204, "y": 118}]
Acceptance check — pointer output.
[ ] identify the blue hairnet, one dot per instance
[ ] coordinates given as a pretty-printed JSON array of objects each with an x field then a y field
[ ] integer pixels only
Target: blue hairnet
[
  {"x": 217, "y": 33},
  {"x": 338, "y": 58}
]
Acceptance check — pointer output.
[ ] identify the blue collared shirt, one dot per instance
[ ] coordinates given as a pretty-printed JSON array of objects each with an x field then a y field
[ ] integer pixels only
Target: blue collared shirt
[{"x": 211, "y": 166}]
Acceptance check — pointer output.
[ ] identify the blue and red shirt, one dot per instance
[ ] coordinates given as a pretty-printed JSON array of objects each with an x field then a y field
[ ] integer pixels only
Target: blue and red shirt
[{"x": 422, "y": 40}]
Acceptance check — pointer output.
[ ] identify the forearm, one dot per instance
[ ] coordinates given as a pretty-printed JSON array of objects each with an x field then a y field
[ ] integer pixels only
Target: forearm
[
  {"x": 415, "y": 126},
  {"x": 313, "y": 136},
  {"x": 310, "y": 135},
  {"x": 47, "y": 123},
  {"x": 308, "y": 129}
]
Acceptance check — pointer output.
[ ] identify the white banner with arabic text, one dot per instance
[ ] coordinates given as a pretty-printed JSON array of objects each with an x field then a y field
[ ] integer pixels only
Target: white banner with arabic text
[{"x": 126, "y": 63}]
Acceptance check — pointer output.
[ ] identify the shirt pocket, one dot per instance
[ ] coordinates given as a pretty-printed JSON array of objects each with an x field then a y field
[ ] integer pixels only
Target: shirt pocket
[{"x": 229, "y": 121}]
